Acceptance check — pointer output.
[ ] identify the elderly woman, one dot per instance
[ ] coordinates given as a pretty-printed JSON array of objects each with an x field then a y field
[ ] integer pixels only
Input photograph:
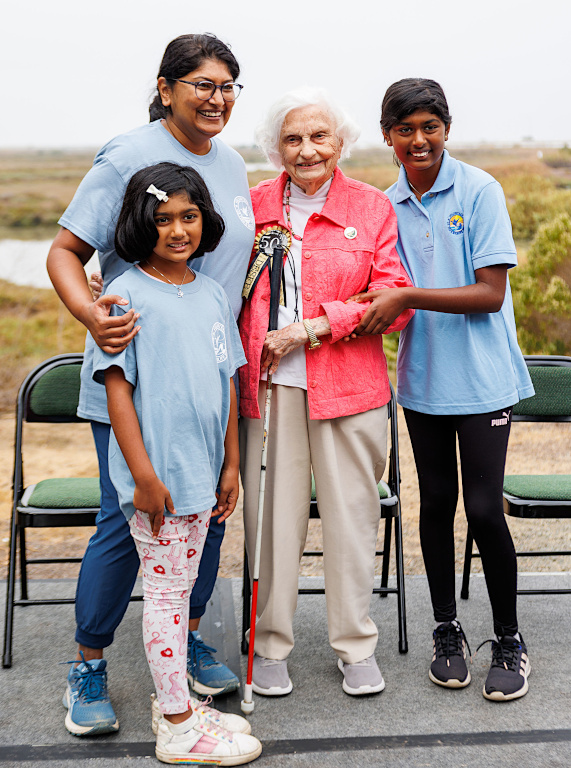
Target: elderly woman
[{"x": 329, "y": 408}]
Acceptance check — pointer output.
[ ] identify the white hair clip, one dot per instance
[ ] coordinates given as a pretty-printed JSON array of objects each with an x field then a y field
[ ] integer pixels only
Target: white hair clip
[{"x": 159, "y": 194}]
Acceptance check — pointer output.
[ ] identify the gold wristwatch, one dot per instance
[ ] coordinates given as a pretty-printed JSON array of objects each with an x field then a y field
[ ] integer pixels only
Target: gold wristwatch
[{"x": 314, "y": 342}]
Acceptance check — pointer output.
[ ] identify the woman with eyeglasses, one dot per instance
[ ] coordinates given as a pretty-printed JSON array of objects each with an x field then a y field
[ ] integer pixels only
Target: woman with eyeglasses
[{"x": 196, "y": 91}]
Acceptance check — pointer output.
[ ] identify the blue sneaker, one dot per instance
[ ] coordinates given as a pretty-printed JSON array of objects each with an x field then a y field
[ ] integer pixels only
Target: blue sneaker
[
  {"x": 207, "y": 676},
  {"x": 89, "y": 709}
]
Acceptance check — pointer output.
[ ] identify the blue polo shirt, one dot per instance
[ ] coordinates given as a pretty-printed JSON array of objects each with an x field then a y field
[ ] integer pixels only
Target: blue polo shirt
[{"x": 447, "y": 363}]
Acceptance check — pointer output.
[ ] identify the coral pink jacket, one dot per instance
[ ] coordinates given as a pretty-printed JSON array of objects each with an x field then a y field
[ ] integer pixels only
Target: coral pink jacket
[{"x": 343, "y": 378}]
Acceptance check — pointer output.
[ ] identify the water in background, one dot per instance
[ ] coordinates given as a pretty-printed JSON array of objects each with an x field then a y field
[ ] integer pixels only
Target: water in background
[{"x": 23, "y": 262}]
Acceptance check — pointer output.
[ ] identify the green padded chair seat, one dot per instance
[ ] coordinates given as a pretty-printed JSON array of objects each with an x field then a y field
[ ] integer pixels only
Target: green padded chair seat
[
  {"x": 384, "y": 490},
  {"x": 63, "y": 493},
  {"x": 539, "y": 487}
]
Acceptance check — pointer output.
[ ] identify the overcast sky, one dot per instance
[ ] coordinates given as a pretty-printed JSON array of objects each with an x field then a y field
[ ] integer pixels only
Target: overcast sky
[{"x": 75, "y": 74}]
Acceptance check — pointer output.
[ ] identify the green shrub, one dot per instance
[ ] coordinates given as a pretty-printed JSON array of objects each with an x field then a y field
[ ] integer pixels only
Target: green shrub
[
  {"x": 542, "y": 292},
  {"x": 533, "y": 200}
]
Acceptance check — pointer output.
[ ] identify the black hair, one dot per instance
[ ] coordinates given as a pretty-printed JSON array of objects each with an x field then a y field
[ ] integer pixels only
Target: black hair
[
  {"x": 136, "y": 232},
  {"x": 184, "y": 54},
  {"x": 413, "y": 94}
]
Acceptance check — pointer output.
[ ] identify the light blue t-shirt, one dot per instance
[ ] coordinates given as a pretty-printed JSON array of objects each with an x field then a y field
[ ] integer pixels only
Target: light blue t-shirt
[
  {"x": 93, "y": 213},
  {"x": 180, "y": 365},
  {"x": 448, "y": 363}
]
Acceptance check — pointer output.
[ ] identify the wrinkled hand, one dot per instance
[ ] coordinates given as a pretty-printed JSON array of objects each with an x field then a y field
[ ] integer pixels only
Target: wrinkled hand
[
  {"x": 152, "y": 497},
  {"x": 280, "y": 343},
  {"x": 111, "y": 334},
  {"x": 96, "y": 285},
  {"x": 229, "y": 491},
  {"x": 386, "y": 306}
]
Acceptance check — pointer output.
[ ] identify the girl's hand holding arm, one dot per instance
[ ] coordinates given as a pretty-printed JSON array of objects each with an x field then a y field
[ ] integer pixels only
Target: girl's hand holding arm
[
  {"x": 151, "y": 495},
  {"x": 229, "y": 482},
  {"x": 485, "y": 295},
  {"x": 66, "y": 259},
  {"x": 282, "y": 342}
]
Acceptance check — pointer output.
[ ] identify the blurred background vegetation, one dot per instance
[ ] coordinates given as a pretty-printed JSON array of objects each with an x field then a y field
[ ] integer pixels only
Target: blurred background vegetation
[{"x": 35, "y": 188}]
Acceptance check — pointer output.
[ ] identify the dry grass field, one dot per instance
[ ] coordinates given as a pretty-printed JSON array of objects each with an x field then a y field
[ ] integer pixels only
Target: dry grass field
[{"x": 35, "y": 188}]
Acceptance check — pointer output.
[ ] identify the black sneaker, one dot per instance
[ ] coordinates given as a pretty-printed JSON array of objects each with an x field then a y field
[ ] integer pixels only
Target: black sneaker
[
  {"x": 507, "y": 678},
  {"x": 448, "y": 666}
]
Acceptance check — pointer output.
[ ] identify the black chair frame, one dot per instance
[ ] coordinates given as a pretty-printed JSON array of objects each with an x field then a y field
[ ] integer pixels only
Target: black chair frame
[
  {"x": 25, "y": 517},
  {"x": 526, "y": 509}
]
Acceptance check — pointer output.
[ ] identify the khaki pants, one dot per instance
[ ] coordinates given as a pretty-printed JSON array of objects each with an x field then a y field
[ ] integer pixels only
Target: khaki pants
[{"x": 348, "y": 457}]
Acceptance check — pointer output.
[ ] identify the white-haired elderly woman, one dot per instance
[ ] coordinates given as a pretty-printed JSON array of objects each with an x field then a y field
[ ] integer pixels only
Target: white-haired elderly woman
[{"x": 329, "y": 406}]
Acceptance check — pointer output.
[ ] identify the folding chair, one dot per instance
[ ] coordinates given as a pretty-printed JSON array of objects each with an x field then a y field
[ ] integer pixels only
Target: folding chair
[
  {"x": 389, "y": 499},
  {"x": 538, "y": 496},
  {"x": 49, "y": 394}
]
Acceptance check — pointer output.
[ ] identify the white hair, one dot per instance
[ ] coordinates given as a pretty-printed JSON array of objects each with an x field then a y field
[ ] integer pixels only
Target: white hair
[{"x": 268, "y": 132}]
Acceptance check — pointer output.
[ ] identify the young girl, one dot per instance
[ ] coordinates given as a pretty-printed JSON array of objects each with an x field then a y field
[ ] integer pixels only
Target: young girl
[
  {"x": 172, "y": 406},
  {"x": 459, "y": 369}
]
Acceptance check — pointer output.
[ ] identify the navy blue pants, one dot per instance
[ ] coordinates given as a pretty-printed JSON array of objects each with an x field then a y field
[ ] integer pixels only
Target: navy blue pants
[
  {"x": 483, "y": 442},
  {"x": 111, "y": 563}
]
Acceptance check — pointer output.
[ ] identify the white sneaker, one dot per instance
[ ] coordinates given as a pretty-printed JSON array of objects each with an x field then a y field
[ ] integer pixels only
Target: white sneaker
[
  {"x": 233, "y": 723},
  {"x": 203, "y": 743}
]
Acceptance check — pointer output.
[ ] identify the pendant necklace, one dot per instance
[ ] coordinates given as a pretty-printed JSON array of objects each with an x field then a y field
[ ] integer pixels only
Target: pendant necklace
[{"x": 179, "y": 294}]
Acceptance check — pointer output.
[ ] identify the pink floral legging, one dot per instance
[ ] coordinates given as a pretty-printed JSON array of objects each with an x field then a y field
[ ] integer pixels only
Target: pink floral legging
[{"x": 170, "y": 567}]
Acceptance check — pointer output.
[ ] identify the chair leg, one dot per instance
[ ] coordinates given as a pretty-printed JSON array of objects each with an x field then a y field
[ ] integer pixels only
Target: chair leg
[
  {"x": 465, "y": 591},
  {"x": 246, "y": 601},
  {"x": 23, "y": 564},
  {"x": 386, "y": 556},
  {"x": 399, "y": 560},
  {"x": 10, "y": 592}
]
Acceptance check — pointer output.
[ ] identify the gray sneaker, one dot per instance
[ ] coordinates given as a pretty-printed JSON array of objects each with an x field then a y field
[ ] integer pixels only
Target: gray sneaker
[
  {"x": 270, "y": 677},
  {"x": 362, "y": 677}
]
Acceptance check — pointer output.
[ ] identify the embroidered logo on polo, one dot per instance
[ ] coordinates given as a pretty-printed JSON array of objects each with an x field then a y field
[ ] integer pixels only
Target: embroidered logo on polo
[
  {"x": 219, "y": 342},
  {"x": 245, "y": 214},
  {"x": 456, "y": 223}
]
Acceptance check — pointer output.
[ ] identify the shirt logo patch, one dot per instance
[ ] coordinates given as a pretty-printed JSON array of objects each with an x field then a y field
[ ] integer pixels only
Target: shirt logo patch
[
  {"x": 456, "y": 223},
  {"x": 245, "y": 214},
  {"x": 219, "y": 342}
]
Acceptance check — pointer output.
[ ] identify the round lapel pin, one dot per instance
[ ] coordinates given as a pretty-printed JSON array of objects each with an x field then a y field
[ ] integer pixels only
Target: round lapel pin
[{"x": 350, "y": 233}]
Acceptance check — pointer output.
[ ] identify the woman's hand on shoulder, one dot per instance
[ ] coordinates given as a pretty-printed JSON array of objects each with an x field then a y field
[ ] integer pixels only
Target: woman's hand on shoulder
[
  {"x": 386, "y": 305},
  {"x": 151, "y": 497},
  {"x": 280, "y": 343},
  {"x": 112, "y": 334}
]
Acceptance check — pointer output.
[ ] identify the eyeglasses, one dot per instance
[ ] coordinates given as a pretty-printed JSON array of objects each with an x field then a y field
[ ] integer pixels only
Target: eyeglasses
[{"x": 205, "y": 89}]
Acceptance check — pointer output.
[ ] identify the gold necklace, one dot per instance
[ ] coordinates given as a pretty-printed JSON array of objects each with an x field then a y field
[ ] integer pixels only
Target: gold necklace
[{"x": 179, "y": 294}]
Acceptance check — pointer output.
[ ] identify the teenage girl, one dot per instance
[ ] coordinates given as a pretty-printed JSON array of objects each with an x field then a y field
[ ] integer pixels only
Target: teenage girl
[
  {"x": 459, "y": 369},
  {"x": 172, "y": 406}
]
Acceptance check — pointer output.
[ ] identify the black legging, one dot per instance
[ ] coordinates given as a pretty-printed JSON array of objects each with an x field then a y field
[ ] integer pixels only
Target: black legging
[{"x": 483, "y": 442}]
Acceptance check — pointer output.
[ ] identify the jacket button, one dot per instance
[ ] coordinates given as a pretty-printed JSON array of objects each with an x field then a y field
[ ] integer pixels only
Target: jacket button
[
  {"x": 313, "y": 383},
  {"x": 308, "y": 296},
  {"x": 307, "y": 255}
]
